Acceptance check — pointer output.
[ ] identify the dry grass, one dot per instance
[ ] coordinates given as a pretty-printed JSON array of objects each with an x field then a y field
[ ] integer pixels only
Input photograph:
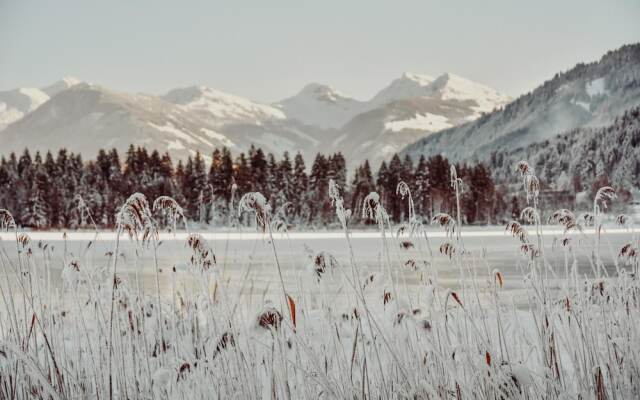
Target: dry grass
[{"x": 101, "y": 336}]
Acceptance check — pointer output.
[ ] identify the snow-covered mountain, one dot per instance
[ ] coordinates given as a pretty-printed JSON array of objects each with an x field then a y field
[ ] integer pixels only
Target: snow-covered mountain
[
  {"x": 412, "y": 107},
  {"x": 85, "y": 117},
  {"x": 408, "y": 86},
  {"x": 321, "y": 106},
  {"x": 220, "y": 108},
  {"x": 587, "y": 95},
  {"x": 15, "y": 104},
  {"x": 63, "y": 84}
]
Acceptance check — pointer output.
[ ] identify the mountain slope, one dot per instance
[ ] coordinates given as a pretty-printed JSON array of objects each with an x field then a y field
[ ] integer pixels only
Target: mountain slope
[
  {"x": 412, "y": 107},
  {"x": 587, "y": 95},
  {"x": 63, "y": 84},
  {"x": 85, "y": 118},
  {"x": 321, "y": 106},
  {"x": 15, "y": 104},
  {"x": 220, "y": 108},
  {"x": 587, "y": 154}
]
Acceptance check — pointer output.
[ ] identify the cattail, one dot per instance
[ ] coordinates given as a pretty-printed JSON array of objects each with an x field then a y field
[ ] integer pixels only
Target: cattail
[
  {"x": 24, "y": 240},
  {"x": 202, "y": 255},
  {"x": 605, "y": 193},
  {"x": 279, "y": 220},
  {"x": 628, "y": 253},
  {"x": 456, "y": 298},
  {"x": 518, "y": 231},
  {"x": 448, "y": 249},
  {"x": 529, "y": 249},
  {"x": 337, "y": 201},
  {"x": 445, "y": 221},
  {"x": 565, "y": 218},
  {"x": 411, "y": 264},
  {"x": 524, "y": 168},
  {"x": 135, "y": 218},
  {"x": 529, "y": 180},
  {"x": 529, "y": 215},
  {"x": 373, "y": 209},
  {"x": 406, "y": 244},
  {"x": 585, "y": 219},
  {"x": 170, "y": 208},
  {"x": 403, "y": 190},
  {"x": 255, "y": 202},
  {"x": 323, "y": 262},
  {"x": 498, "y": 277},
  {"x": 6, "y": 220},
  {"x": 269, "y": 317}
]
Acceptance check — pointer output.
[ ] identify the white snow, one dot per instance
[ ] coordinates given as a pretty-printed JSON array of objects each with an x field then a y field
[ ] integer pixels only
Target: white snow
[
  {"x": 596, "y": 87},
  {"x": 169, "y": 128},
  {"x": 174, "y": 145},
  {"x": 219, "y": 137},
  {"x": 321, "y": 105},
  {"x": 458, "y": 88},
  {"x": 36, "y": 96},
  {"x": 222, "y": 107},
  {"x": 582, "y": 104},
  {"x": 427, "y": 121}
]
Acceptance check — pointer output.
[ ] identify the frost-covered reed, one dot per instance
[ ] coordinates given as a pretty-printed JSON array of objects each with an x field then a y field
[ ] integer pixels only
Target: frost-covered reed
[{"x": 101, "y": 336}]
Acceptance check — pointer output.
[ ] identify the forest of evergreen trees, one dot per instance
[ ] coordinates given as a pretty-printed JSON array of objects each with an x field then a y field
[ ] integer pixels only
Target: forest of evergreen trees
[{"x": 65, "y": 191}]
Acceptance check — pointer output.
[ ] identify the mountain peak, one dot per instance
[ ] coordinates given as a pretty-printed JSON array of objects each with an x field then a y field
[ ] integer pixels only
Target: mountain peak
[
  {"x": 322, "y": 92},
  {"x": 420, "y": 79},
  {"x": 62, "y": 84}
]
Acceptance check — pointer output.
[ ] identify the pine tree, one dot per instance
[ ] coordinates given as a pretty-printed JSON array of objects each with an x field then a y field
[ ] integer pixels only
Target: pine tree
[
  {"x": 422, "y": 184},
  {"x": 318, "y": 198},
  {"x": 258, "y": 171},
  {"x": 36, "y": 208},
  {"x": 300, "y": 188}
]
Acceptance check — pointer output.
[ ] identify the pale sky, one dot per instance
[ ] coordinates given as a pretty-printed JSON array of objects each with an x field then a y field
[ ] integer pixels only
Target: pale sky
[{"x": 268, "y": 50}]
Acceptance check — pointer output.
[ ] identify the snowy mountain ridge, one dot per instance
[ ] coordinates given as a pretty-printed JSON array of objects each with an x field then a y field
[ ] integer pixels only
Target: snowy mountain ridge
[
  {"x": 588, "y": 95},
  {"x": 86, "y": 117}
]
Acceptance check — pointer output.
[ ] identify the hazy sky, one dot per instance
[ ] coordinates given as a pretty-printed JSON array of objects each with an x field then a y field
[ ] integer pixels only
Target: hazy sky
[{"x": 268, "y": 50}]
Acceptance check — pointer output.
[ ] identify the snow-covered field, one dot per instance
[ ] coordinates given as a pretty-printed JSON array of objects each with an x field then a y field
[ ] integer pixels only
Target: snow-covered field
[{"x": 368, "y": 315}]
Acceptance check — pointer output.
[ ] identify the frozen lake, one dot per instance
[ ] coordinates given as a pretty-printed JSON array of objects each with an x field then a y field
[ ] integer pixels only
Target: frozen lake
[{"x": 245, "y": 260}]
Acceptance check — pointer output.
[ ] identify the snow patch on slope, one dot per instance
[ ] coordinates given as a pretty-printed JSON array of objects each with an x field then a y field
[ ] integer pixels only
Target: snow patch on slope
[
  {"x": 220, "y": 107},
  {"x": 427, "y": 121},
  {"x": 596, "y": 87},
  {"x": 218, "y": 136},
  {"x": 169, "y": 128}
]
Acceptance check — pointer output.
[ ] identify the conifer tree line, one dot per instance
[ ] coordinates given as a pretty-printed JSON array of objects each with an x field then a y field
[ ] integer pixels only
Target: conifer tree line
[{"x": 65, "y": 191}]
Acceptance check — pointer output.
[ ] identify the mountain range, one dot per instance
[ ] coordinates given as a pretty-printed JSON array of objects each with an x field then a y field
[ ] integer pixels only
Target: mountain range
[
  {"x": 415, "y": 115},
  {"x": 85, "y": 117}
]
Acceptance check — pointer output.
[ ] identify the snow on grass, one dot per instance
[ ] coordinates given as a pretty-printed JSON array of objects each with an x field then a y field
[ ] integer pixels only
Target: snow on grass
[{"x": 333, "y": 330}]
